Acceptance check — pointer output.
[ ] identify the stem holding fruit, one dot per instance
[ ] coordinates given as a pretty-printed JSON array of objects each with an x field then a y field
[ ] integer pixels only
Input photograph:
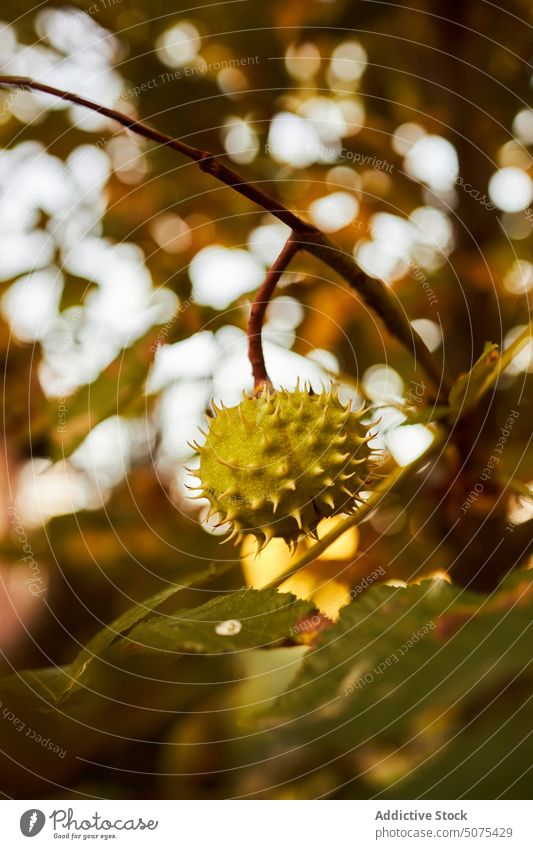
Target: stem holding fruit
[
  {"x": 257, "y": 313},
  {"x": 374, "y": 292}
]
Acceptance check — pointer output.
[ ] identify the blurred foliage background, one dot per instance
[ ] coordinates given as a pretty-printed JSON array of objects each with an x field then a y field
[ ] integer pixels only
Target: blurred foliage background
[{"x": 126, "y": 275}]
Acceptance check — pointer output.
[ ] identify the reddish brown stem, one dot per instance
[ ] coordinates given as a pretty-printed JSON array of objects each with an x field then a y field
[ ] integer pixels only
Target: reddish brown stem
[
  {"x": 373, "y": 292},
  {"x": 207, "y": 162},
  {"x": 257, "y": 313}
]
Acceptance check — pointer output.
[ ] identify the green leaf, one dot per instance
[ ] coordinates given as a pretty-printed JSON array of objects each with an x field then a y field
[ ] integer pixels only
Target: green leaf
[
  {"x": 107, "y": 636},
  {"x": 395, "y": 653},
  {"x": 489, "y": 755},
  {"x": 247, "y": 619},
  {"x": 471, "y": 385},
  {"x": 44, "y": 685},
  {"x": 42, "y": 741}
]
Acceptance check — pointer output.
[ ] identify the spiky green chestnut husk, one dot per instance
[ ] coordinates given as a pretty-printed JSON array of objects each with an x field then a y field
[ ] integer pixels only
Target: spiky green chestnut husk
[{"x": 279, "y": 462}]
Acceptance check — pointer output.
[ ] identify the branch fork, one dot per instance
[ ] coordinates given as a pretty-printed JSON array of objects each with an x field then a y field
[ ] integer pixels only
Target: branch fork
[{"x": 373, "y": 292}]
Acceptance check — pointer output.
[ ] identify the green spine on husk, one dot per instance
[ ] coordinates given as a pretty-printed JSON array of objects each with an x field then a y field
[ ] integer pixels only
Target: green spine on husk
[{"x": 280, "y": 461}]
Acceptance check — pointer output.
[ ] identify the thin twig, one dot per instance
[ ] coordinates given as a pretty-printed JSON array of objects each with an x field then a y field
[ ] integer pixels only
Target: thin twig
[
  {"x": 257, "y": 313},
  {"x": 206, "y": 161},
  {"x": 373, "y": 292}
]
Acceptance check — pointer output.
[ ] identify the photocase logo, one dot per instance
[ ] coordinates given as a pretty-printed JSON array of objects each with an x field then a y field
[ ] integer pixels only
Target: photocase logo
[{"x": 32, "y": 822}]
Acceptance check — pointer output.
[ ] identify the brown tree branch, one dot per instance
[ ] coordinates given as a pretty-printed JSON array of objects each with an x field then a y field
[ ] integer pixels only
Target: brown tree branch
[
  {"x": 257, "y": 313},
  {"x": 373, "y": 292},
  {"x": 206, "y": 161}
]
